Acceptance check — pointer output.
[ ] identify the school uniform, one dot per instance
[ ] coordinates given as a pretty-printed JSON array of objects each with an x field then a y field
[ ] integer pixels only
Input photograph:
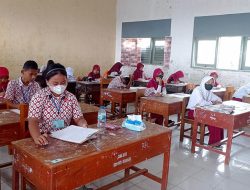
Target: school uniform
[
  {"x": 17, "y": 92},
  {"x": 49, "y": 109},
  {"x": 241, "y": 92},
  {"x": 117, "y": 83},
  {"x": 202, "y": 97}
]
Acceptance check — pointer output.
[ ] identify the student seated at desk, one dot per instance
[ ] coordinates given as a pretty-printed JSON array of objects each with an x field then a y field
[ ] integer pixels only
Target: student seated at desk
[
  {"x": 53, "y": 107},
  {"x": 175, "y": 77},
  {"x": 202, "y": 96},
  {"x": 4, "y": 79},
  {"x": 120, "y": 82},
  {"x": 215, "y": 75},
  {"x": 139, "y": 73},
  {"x": 95, "y": 73},
  {"x": 115, "y": 70},
  {"x": 22, "y": 89},
  {"x": 241, "y": 92}
]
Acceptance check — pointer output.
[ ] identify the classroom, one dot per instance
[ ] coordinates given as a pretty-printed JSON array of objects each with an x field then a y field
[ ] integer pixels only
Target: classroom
[{"x": 124, "y": 94}]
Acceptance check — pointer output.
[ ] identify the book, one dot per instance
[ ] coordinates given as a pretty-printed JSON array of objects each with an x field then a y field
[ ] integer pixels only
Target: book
[{"x": 74, "y": 134}]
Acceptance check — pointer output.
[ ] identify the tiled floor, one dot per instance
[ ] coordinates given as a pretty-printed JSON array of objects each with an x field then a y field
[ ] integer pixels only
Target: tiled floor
[{"x": 203, "y": 170}]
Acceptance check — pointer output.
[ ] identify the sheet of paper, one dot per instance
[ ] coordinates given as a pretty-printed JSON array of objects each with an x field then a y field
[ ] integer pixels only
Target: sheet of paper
[{"x": 74, "y": 134}]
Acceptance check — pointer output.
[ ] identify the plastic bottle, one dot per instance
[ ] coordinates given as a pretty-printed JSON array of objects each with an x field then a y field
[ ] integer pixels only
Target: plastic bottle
[{"x": 101, "y": 117}]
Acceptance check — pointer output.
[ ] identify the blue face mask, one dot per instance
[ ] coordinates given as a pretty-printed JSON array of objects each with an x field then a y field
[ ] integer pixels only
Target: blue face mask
[{"x": 208, "y": 86}]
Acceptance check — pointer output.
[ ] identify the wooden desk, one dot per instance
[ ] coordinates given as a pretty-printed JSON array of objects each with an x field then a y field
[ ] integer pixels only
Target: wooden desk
[
  {"x": 3, "y": 104},
  {"x": 165, "y": 106},
  {"x": 91, "y": 89},
  {"x": 246, "y": 99},
  {"x": 142, "y": 83},
  {"x": 63, "y": 165},
  {"x": 230, "y": 122},
  {"x": 9, "y": 127},
  {"x": 90, "y": 113},
  {"x": 219, "y": 92},
  {"x": 120, "y": 96},
  {"x": 176, "y": 88}
]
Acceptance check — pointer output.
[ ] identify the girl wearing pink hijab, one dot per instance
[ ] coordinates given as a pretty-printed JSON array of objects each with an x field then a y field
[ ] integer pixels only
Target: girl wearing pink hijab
[
  {"x": 138, "y": 73},
  {"x": 4, "y": 79},
  {"x": 175, "y": 77},
  {"x": 215, "y": 75},
  {"x": 95, "y": 73},
  {"x": 116, "y": 68}
]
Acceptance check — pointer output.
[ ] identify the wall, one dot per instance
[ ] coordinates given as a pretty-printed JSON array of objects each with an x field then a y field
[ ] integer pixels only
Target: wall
[
  {"x": 75, "y": 33},
  {"x": 182, "y": 14}
]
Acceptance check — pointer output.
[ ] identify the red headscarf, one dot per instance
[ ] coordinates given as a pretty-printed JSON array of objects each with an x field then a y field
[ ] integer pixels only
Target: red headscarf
[
  {"x": 93, "y": 75},
  {"x": 153, "y": 83},
  {"x": 212, "y": 74},
  {"x": 138, "y": 73},
  {"x": 4, "y": 72},
  {"x": 175, "y": 77},
  {"x": 115, "y": 68}
]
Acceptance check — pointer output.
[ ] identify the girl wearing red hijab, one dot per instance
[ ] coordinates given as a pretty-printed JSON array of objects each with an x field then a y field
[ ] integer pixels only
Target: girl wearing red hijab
[
  {"x": 175, "y": 77},
  {"x": 155, "y": 87},
  {"x": 4, "y": 79},
  {"x": 138, "y": 73},
  {"x": 115, "y": 68},
  {"x": 95, "y": 73},
  {"x": 215, "y": 75}
]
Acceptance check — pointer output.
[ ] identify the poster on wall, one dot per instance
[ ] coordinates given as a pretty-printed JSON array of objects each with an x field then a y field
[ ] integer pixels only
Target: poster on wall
[
  {"x": 167, "y": 51},
  {"x": 131, "y": 53}
]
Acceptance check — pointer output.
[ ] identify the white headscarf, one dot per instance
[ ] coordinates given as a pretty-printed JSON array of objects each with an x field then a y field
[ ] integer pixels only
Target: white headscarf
[{"x": 201, "y": 96}]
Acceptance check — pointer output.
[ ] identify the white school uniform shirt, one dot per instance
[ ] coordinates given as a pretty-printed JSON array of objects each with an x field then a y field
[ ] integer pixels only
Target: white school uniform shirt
[
  {"x": 242, "y": 91},
  {"x": 202, "y": 97}
]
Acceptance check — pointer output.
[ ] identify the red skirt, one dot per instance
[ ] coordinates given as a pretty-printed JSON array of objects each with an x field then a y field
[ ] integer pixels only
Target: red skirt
[{"x": 216, "y": 134}]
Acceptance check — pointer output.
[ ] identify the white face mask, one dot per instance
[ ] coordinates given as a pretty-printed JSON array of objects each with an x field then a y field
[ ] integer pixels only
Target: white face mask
[{"x": 58, "y": 89}]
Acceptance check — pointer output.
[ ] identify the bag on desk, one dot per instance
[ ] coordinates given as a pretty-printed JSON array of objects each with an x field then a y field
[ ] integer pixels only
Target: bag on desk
[{"x": 134, "y": 123}]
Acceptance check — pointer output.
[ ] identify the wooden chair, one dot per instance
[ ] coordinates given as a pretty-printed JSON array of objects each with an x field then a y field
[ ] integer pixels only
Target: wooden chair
[
  {"x": 184, "y": 120},
  {"x": 229, "y": 93},
  {"x": 189, "y": 88},
  {"x": 140, "y": 93},
  {"x": 104, "y": 82}
]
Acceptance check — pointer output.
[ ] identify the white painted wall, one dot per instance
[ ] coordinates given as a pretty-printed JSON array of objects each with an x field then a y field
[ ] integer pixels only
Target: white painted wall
[{"x": 182, "y": 13}]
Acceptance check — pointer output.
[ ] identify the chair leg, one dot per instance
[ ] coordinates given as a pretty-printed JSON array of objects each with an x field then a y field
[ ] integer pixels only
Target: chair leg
[
  {"x": 23, "y": 183},
  {"x": 182, "y": 132},
  {"x": 202, "y": 133}
]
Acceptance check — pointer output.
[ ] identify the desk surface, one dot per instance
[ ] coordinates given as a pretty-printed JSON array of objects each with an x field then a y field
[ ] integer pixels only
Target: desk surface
[
  {"x": 8, "y": 117},
  {"x": 214, "y": 90},
  {"x": 58, "y": 152},
  {"x": 88, "y": 108},
  {"x": 88, "y": 83},
  {"x": 120, "y": 91},
  {"x": 164, "y": 99}
]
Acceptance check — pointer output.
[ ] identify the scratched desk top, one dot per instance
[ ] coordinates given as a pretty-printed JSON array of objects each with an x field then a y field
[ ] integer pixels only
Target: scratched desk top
[
  {"x": 240, "y": 107},
  {"x": 122, "y": 90},
  {"x": 7, "y": 116},
  {"x": 169, "y": 99},
  {"x": 89, "y": 83},
  {"x": 87, "y": 108},
  {"x": 58, "y": 151}
]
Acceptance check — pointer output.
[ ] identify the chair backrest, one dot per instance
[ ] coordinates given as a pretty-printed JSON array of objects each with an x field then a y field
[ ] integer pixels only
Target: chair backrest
[
  {"x": 140, "y": 93},
  {"x": 104, "y": 82},
  {"x": 229, "y": 93},
  {"x": 184, "y": 108},
  {"x": 190, "y": 87},
  {"x": 24, "y": 109}
]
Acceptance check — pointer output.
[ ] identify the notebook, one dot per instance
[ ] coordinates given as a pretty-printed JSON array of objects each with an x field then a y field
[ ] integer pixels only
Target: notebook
[{"x": 74, "y": 134}]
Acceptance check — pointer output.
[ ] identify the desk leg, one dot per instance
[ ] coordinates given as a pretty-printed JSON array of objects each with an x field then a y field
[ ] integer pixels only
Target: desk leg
[
  {"x": 229, "y": 145},
  {"x": 165, "y": 169},
  {"x": 15, "y": 179},
  {"x": 120, "y": 110},
  {"x": 194, "y": 136}
]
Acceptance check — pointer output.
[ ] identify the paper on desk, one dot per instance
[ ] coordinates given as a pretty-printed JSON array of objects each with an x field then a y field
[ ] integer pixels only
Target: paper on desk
[
  {"x": 135, "y": 118},
  {"x": 17, "y": 111},
  {"x": 74, "y": 134}
]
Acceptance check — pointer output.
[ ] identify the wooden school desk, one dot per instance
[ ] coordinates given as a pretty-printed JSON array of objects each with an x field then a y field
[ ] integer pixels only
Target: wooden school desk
[
  {"x": 62, "y": 165},
  {"x": 246, "y": 99},
  {"x": 90, "y": 113},
  {"x": 3, "y": 104},
  {"x": 120, "y": 96},
  {"x": 91, "y": 89},
  {"x": 165, "y": 106},
  {"x": 230, "y": 122},
  {"x": 176, "y": 88},
  {"x": 219, "y": 92}
]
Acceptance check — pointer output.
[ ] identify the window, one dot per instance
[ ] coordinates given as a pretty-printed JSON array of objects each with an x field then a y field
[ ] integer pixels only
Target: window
[
  {"x": 229, "y": 53},
  {"x": 152, "y": 50}
]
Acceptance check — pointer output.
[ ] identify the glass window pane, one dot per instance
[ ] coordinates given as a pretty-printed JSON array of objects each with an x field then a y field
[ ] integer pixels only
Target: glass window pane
[
  {"x": 145, "y": 45},
  {"x": 247, "y": 63},
  {"x": 206, "y": 52},
  {"x": 158, "y": 56},
  {"x": 229, "y": 53}
]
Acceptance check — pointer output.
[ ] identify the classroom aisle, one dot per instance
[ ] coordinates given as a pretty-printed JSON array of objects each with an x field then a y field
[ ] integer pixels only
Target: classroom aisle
[{"x": 205, "y": 170}]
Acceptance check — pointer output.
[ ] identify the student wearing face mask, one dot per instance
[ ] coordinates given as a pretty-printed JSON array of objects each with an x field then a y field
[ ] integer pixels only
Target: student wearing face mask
[
  {"x": 53, "y": 107},
  {"x": 22, "y": 89},
  {"x": 203, "y": 96}
]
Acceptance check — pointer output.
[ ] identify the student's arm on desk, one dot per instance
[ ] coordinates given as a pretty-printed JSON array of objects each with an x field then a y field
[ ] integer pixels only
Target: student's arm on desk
[
  {"x": 39, "y": 139},
  {"x": 81, "y": 122}
]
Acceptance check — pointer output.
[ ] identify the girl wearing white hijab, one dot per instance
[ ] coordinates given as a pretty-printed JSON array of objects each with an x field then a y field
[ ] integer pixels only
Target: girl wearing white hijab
[{"x": 202, "y": 96}]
